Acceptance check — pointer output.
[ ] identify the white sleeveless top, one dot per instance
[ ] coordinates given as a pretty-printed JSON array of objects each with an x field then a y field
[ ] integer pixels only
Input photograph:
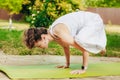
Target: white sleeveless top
[
  {"x": 74, "y": 21},
  {"x": 87, "y": 29}
]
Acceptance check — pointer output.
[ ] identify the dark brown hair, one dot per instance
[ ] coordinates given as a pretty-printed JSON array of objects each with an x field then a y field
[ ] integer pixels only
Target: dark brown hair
[{"x": 32, "y": 35}]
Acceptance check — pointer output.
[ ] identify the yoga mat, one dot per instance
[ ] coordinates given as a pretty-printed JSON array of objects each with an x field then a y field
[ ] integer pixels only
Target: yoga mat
[{"x": 50, "y": 71}]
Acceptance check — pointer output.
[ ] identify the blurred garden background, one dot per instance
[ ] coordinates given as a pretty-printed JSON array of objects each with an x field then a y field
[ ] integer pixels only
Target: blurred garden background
[{"x": 18, "y": 15}]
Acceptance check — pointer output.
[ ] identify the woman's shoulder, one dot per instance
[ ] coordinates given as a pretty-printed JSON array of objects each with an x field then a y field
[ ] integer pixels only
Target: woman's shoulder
[{"x": 60, "y": 28}]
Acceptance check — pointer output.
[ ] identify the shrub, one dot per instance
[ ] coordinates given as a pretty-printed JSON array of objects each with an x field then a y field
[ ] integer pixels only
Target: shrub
[{"x": 44, "y": 12}]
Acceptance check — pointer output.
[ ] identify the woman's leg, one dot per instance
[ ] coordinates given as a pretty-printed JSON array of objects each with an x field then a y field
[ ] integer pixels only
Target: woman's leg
[{"x": 103, "y": 52}]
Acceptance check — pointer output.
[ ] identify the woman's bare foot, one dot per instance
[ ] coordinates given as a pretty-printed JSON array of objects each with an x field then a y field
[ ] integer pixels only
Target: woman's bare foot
[{"x": 103, "y": 52}]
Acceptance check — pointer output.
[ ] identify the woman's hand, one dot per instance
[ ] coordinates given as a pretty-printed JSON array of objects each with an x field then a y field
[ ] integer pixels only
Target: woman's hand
[
  {"x": 78, "y": 71},
  {"x": 62, "y": 66}
]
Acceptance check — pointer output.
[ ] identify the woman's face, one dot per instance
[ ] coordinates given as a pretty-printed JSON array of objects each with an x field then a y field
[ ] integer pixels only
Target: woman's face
[{"x": 41, "y": 43}]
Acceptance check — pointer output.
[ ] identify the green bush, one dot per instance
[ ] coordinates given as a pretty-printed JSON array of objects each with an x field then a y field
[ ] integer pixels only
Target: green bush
[{"x": 44, "y": 12}]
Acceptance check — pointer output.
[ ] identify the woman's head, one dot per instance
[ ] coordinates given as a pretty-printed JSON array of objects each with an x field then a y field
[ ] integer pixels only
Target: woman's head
[{"x": 33, "y": 36}]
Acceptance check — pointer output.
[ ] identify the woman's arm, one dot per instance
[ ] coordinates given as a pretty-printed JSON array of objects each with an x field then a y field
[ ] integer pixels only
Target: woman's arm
[
  {"x": 67, "y": 56},
  {"x": 65, "y": 38}
]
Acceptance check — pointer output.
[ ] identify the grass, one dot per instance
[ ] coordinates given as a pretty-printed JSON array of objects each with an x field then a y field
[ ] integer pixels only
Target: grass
[
  {"x": 16, "y": 25},
  {"x": 11, "y": 43}
]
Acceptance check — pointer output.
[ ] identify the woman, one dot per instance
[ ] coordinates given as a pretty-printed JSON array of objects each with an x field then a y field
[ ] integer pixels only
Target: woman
[{"x": 82, "y": 30}]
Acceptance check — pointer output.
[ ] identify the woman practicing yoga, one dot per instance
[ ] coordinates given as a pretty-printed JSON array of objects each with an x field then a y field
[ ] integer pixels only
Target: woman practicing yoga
[{"x": 82, "y": 30}]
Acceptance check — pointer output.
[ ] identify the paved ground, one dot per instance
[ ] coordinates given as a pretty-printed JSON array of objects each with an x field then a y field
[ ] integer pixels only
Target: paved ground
[{"x": 46, "y": 59}]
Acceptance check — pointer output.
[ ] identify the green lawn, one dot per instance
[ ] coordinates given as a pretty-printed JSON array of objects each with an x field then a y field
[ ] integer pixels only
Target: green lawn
[
  {"x": 16, "y": 25},
  {"x": 11, "y": 42}
]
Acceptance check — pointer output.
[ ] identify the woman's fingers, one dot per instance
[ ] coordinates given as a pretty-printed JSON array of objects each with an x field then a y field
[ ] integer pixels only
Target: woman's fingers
[{"x": 77, "y": 72}]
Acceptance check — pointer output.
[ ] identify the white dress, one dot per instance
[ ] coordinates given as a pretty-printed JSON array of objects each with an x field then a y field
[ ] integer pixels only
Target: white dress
[{"x": 86, "y": 28}]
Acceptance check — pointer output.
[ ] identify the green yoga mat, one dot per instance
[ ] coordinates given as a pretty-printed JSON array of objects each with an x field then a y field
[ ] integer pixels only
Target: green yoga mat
[{"x": 49, "y": 71}]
